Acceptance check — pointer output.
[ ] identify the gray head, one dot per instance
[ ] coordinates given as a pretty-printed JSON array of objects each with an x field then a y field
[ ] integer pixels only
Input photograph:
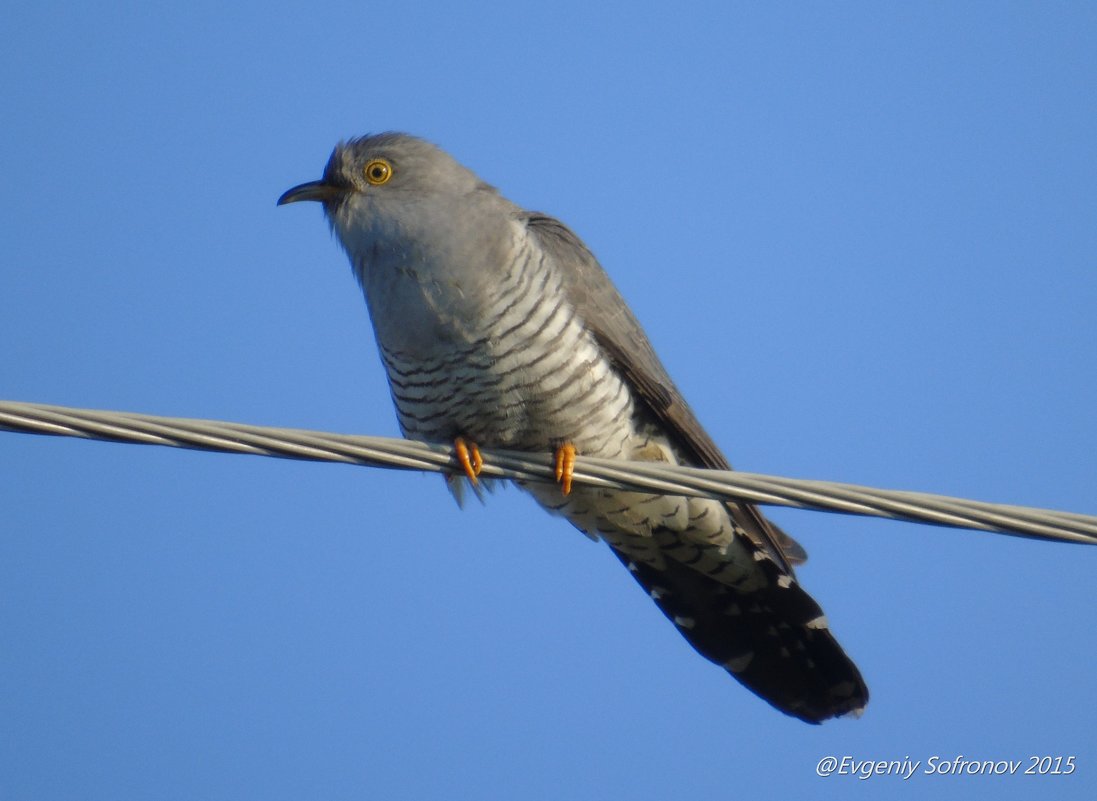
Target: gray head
[
  {"x": 380, "y": 185},
  {"x": 412, "y": 220}
]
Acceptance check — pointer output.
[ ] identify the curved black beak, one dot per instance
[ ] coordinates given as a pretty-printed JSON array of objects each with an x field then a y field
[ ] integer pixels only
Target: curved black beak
[{"x": 313, "y": 190}]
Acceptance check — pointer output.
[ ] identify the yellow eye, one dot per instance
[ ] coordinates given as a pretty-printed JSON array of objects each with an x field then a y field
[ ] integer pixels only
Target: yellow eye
[{"x": 377, "y": 171}]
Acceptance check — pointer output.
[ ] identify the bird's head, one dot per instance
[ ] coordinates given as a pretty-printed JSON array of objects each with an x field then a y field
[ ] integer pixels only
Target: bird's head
[{"x": 386, "y": 184}]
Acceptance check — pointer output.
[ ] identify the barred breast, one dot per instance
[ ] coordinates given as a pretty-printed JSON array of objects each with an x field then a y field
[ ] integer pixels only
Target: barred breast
[
  {"x": 521, "y": 372},
  {"x": 524, "y": 372}
]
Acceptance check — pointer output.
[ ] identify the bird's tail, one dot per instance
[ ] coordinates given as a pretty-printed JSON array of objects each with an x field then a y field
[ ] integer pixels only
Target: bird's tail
[{"x": 775, "y": 640}]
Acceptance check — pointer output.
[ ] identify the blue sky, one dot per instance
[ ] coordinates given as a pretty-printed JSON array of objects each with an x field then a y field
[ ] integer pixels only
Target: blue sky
[{"x": 862, "y": 237}]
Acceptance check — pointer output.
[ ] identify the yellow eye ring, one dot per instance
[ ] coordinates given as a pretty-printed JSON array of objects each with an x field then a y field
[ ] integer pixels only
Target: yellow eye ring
[{"x": 377, "y": 171}]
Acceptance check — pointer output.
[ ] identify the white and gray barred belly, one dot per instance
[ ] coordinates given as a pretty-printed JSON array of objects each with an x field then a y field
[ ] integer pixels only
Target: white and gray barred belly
[{"x": 528, "y": 375}]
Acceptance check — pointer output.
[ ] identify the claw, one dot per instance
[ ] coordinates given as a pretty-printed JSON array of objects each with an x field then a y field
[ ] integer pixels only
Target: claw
[
  {"x": 468, "y": 456},
  {"x": 565, "y": 466}
]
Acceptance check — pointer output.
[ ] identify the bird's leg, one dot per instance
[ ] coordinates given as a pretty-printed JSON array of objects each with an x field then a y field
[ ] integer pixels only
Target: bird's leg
[
  {"x": 565, "y": 466},
  {"x": 468, "y": 456}
]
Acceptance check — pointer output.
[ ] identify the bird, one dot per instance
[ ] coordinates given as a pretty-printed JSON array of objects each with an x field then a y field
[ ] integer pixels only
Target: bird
[{"x": 498, "y": 328}]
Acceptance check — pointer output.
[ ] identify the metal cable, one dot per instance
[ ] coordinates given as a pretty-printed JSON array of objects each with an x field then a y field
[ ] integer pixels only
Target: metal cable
[{"x": 290, "y": 443}]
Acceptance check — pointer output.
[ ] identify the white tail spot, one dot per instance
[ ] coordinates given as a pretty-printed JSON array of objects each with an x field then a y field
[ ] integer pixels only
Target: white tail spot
[
  {"x": 784, "y": 581},
  {"x": 818, "y": 623},
  {"x": 843, "y": 688},
  {"x": 739, "y": 663},
  {"x": 685, "y": 622}
]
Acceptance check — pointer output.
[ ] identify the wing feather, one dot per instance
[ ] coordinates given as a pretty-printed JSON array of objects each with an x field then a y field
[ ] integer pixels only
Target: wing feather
[{"x": 597, "y": 301}]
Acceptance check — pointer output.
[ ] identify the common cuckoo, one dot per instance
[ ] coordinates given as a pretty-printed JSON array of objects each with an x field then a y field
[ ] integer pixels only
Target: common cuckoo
[{"x": 498, "y": 328}]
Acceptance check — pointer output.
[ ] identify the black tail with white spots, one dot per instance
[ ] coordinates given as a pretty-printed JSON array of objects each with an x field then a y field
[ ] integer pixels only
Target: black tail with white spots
[{"x": 774, "y": 640}]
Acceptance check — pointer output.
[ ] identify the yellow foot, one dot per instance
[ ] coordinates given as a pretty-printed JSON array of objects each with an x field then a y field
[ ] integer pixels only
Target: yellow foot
[
  {"x": 565, "y": 466},
  {"x": 468, "y": 456}
]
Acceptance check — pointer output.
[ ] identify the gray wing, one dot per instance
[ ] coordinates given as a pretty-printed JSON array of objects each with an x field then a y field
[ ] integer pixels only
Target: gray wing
[{"x": 617, "y": 331}]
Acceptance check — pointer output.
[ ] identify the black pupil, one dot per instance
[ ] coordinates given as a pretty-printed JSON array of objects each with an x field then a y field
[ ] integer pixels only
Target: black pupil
[{"x": 378, "y": 171}]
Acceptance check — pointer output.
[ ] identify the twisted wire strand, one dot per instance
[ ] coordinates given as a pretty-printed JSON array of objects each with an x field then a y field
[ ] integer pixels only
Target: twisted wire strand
[{"x": 291, "y": 443}]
